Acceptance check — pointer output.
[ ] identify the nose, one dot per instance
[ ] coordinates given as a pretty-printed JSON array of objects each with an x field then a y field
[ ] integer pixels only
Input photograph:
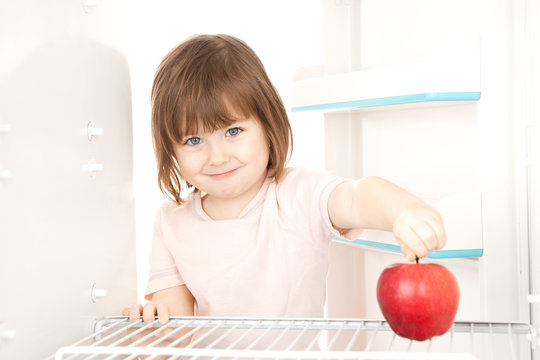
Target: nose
[{"x": 218, "y": 154}]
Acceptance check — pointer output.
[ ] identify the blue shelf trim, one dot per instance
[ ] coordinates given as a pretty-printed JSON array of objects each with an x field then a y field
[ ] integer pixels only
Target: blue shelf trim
[
  {"x": 394, "y": 100},
  {"x": 439, "y": 254}
]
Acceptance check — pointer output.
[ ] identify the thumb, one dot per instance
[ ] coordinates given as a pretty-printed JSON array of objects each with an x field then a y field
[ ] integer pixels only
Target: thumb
[{"x": 163, "y": 313}]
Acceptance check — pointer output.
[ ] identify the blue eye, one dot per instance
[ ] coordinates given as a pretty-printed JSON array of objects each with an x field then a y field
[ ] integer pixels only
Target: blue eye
[
  {"x": 233, "y": 131},
  {"x": 193, "y": 140}
]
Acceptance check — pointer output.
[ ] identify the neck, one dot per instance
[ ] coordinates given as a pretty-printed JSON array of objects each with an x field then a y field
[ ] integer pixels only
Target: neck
[{"x": 218, "y": 209}]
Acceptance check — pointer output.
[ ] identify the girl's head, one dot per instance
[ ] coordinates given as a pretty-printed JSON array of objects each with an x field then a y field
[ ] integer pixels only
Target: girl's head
[{"x": 207, "y": 83}]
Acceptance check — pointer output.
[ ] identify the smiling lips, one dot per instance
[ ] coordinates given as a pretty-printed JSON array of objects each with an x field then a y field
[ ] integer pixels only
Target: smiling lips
[{"x": 223, "y": 174}]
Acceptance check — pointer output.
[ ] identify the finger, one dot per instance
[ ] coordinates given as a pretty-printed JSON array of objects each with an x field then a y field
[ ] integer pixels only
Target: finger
[
  {"x": 438, "y": 227},
  {"x": 409, "y": 254},
  {"x": 163, "y": 313},
  {"x": 406, "y": 250},
  {"x": 435, "y": 221},
  {"x": 427, "y": 235},
  {"x": 439, "y": 235},
  {"x": 411, "y": 240},
  {"x": 149, "y": 313},
  {"x": 125, "y": 312},
  {"x": 135, "y": 312}
]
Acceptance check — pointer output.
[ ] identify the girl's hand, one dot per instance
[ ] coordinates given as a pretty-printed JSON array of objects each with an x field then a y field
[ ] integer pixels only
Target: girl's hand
[
  {"x": 148, "y": 312},
  {"x": 419, "y": 229},
  {"x": 173, "y": 301}
]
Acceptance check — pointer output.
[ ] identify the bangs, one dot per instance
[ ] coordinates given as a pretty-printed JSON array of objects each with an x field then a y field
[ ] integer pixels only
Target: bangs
[
  {"x": 207, "y": 88},
  {"x": 207, "y": 115}
]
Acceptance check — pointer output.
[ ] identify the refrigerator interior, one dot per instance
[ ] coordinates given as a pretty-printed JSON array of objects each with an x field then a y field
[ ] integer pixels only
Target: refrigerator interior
[
  {"x": 466, "y": 141},
  {"x": 67, "y": 230},
  {"x": 441, "y": 105},
  {"x": 444, "y": 146}
]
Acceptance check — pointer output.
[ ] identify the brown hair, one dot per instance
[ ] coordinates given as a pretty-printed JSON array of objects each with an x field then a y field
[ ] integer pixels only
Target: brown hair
[{"x": 200, "y": 83}]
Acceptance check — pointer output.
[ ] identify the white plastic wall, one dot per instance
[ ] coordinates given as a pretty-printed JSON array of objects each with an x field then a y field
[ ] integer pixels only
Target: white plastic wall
[{"x": 63, "y": 228}]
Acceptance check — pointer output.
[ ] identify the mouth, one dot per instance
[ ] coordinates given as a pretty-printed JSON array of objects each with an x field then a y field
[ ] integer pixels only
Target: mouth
[{"x": 223, "y": 174}]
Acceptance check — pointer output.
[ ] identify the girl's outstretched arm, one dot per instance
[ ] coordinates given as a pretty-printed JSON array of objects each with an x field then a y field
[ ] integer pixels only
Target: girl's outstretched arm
[{"x": 375, "y": 203}]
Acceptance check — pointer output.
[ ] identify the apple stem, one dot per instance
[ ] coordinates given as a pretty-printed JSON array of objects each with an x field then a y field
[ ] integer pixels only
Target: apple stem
[{"x": 417, "y": 259}]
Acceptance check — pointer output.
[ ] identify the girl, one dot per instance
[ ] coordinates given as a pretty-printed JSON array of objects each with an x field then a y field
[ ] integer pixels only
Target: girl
[{"x": 244, "y": 235}]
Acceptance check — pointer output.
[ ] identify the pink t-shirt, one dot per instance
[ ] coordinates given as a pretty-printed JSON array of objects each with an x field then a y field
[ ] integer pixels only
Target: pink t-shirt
[{"x": 271, "y": 261}]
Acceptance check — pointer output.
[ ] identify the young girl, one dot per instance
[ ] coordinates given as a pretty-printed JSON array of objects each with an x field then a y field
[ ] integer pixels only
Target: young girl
[{"x": 244, "y": 235}]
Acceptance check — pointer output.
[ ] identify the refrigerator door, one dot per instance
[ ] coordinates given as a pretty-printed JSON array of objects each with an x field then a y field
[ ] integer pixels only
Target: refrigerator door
[{"x": 66, "y": 206}]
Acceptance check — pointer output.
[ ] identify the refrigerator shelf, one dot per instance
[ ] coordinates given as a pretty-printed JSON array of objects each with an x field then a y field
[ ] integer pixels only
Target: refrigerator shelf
[
  {"x": 408, "y": 100},
  {"x": 451, "y": 74},
  {"x": 286, "y": 338}
]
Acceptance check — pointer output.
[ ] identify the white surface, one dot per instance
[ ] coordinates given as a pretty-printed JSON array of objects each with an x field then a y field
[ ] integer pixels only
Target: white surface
[
  {"x": 526, "y": 83},
  {"x": 60, "y": 229},
  {"x": 5, "y": 128},
  {"x": 453, "y": 66}
]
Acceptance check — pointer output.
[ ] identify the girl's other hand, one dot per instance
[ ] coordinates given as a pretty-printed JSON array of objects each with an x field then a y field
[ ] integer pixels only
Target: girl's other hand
[
  {"x": 419, "y": 229},
  {"x": 148, "y": 312},
  {"x": 173, "y": 301}
]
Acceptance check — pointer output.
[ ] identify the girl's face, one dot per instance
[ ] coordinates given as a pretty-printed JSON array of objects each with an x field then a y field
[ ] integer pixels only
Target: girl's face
[{"x": 229, "y": 163}]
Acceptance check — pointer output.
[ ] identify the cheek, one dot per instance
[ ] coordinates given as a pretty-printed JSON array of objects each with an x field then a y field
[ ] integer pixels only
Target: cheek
[
  {"x": 264, "y": 159},
  {"x": 187, "y": 165},
  {"x": 259, "y": 151}
]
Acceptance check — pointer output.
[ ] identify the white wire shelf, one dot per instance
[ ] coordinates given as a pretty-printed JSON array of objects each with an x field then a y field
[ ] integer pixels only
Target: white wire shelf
[{"x": 284, "y": 338}]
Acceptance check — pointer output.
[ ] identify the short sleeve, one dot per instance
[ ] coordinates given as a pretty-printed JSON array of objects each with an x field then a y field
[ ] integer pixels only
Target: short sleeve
[
  {"x": 163, "y": 270},
  {"x": 347, "y": 234},
  {"x": 320, "y": 200},
  {"x": 303, "y": 194}
]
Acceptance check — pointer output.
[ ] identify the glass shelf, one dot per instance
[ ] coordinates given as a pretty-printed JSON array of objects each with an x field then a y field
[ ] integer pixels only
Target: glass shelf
[
  {"x": 436, "y": 98},
  {"x": 439, "y": 254},
  {"x": 450, "y": 74}
]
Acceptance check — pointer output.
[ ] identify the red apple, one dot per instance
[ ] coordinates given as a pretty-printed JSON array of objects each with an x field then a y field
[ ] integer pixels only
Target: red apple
[{"x": 418, "y": 301}]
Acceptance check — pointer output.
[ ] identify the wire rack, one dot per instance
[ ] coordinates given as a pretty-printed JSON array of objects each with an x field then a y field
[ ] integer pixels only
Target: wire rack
[{"x": 284, "y": 338}]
